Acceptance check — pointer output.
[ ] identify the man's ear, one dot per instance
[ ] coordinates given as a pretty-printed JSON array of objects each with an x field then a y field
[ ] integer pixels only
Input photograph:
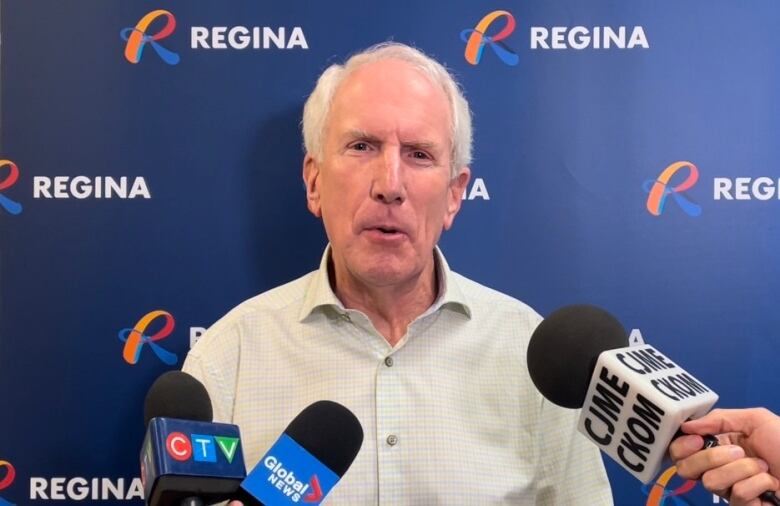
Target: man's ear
[
  {"x": 455, "y": 195},
  {"x": 311, "y": 176}
]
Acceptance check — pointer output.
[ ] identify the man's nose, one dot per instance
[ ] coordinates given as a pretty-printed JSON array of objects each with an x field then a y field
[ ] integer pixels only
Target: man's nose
[{"x": 388, "y": 184}]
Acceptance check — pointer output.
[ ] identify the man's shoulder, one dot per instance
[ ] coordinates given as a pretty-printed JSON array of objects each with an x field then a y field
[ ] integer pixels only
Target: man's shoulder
[
  {"x": 489, "y": 299},
  {"x": 281, "y": 301},
  {"x": 277, "y": 298}
]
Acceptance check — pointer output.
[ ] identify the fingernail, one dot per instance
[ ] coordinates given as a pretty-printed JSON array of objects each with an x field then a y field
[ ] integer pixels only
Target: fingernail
[
  {"x": 736, "y": 451},
  {"x": 692, "y": 442},
  {"x": 763, "y": 465}
]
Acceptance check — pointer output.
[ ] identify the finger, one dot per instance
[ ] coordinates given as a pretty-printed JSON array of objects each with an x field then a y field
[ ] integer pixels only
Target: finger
[
  {"x": 719, "y": 421},
  {"x": 235, "y": 503},
  {"x": 721, "y": 479},
  {"x": 747, "y": 491},
  {"x": 702, "y": 461},
  {"x": 685, "y": 446}
]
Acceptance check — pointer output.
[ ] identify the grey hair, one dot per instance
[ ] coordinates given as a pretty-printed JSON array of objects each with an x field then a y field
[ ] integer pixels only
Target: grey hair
[{"x": 317, "y": 107}]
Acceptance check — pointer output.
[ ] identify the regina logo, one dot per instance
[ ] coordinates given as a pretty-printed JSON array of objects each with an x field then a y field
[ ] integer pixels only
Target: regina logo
[
  {"x": 6, "y": 479},
  {"x": 136, "y": 337},
  {"x": 137, "y": 37},
  {"x": 660, "y": 493},
  {"x": 9, "y": 205},
  {"x": 477, "y": 38},
  {"x": 661, "y": 188}
]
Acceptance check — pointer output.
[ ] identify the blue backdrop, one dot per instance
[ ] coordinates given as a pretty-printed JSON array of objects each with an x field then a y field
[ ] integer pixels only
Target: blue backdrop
[{"x": 571, "y": 201}]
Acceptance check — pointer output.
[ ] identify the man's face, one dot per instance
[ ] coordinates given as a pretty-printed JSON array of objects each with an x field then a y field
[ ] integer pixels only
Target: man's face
[{"x": 383, "y": 186}]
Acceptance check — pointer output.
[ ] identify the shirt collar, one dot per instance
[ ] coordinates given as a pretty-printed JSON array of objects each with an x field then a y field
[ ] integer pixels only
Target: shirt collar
[{"x": 320, "y": 294}]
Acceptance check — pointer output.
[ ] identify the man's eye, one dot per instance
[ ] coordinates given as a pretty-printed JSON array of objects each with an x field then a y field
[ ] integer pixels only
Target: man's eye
[
  {"x": 420, "y": 155},
  {"x": 360, "y": 146}
]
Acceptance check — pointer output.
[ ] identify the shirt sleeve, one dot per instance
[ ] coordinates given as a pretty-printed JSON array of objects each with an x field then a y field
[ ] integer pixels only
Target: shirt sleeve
[
  {"x": 571, "y": 468},
  {"x": 214, "y": 362}
]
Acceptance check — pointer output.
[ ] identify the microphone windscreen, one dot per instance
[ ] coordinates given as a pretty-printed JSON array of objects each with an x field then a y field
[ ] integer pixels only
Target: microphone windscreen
[
  {"x": 563, "y": 350},
  {"x": 176, "y": 394},
  {"x": 330, "y": 432}
]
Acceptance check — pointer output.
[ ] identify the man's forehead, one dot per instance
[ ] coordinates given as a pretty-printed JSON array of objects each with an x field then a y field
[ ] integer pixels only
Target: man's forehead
[
  {"x": 384, "y": 79},
  {"x": 378, "y": 95}
]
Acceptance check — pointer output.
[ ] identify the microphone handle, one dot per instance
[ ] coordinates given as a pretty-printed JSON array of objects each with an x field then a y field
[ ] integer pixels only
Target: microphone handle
[
  {"x": 768, "y": 496},
  {"x": 245, "y": 498},
  {"x": 192, "y": 501}
]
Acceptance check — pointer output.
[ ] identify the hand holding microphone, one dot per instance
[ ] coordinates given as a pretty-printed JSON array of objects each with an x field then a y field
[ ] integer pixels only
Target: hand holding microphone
[
  {"x": 741, "y": 473},
  {"x": 633, "y": 399}
]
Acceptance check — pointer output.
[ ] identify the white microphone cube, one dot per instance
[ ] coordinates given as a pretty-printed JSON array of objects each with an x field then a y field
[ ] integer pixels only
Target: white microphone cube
[{"x": 637, "y": 399}]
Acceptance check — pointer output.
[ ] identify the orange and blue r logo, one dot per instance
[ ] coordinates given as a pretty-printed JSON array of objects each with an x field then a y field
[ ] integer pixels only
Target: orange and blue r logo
[
  {"x": 477, "y": 38},
  {"x": 9, "y": 205},
  {"x": 660, "y": 188},
  {"x": 136, "y": 338},
  {"x": 661, "y": 493},
  {"x": 137, "y": 38},
  {"x": 7, "y": 480}
]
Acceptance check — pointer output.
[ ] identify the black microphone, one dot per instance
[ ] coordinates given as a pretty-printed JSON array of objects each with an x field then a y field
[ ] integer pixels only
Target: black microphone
[
  {"x": 309, "y": 458},
  {"x": 633, "y": 398},
  {"x": 186, "y": 459}
]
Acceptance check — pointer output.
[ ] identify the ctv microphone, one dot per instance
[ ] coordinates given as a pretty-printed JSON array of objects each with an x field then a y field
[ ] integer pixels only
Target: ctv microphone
[
  {"x": 309, "y": 458},
  {"x": 633, "y": 399},
  {"x": 186, "y": 459}
]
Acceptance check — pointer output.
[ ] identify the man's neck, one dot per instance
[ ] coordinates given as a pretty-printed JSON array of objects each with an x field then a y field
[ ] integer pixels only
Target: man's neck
[{"x": 390, "y": 308}]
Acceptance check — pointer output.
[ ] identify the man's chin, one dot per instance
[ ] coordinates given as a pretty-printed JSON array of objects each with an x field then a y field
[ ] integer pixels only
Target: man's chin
[{"x": 386, "y": 275}]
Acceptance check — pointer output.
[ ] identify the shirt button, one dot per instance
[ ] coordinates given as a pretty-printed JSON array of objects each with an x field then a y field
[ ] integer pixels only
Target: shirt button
[
  {"x": 392, "y": 440},
  {"x": 389, "y": 361}
]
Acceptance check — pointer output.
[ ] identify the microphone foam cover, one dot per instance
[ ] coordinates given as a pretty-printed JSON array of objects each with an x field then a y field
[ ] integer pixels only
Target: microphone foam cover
[
  {"x": 564, "y": 348},
  {"x": 330, "y": 432},
  {"x": 176, "y": 394}
]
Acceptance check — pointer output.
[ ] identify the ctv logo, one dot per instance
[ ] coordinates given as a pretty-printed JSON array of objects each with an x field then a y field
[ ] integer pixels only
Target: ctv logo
[
  {"x": 7, "y": 480},
  {"x": 202, "y": 448},
  {"x": 137, "y": 38},
  {"x": 136, "y": 337}
]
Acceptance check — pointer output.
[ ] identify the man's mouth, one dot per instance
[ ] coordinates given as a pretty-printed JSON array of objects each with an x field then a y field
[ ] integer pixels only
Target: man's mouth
[{"x": 387, "y": 230}]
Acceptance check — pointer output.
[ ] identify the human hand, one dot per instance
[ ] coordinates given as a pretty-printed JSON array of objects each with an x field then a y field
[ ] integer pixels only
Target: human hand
[{"x": 745, "y": 465}]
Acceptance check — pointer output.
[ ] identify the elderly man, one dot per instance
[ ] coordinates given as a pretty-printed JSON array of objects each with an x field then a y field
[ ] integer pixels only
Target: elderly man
[{"x": 431, "y": 363}]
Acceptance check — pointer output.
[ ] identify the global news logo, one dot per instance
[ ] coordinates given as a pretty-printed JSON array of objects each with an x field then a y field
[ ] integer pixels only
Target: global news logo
[
  {"x": 200, "y": 447},
  {"x": 287, "y": 483}
]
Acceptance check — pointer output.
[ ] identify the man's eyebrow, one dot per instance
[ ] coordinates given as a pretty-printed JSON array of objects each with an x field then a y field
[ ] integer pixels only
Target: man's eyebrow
[
  {"x": 361, "y": 135},
  {"x": 421, "y": 144}
]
